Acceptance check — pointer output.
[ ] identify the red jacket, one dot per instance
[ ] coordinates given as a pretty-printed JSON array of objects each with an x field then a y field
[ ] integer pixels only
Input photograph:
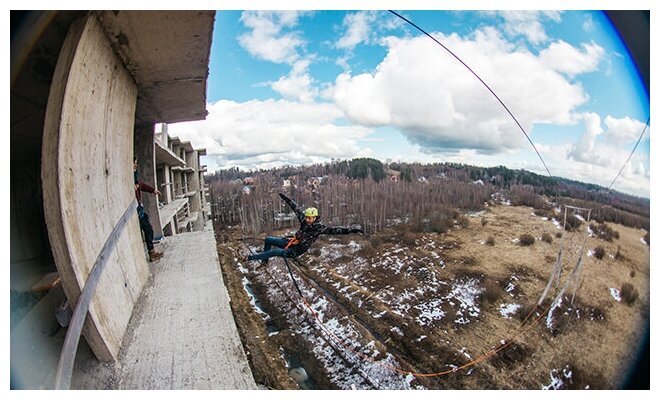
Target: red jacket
[{"x": 142, "y": 187}]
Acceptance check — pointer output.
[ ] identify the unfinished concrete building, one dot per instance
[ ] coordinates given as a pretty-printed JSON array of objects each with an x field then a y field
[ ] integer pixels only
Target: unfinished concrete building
[
  {"x": 182, "y": 207},
  {"x": 87, "y": 90}
]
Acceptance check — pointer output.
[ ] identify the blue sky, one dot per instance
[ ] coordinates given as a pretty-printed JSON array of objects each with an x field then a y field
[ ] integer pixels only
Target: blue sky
[{"x": 297, "y": 87}]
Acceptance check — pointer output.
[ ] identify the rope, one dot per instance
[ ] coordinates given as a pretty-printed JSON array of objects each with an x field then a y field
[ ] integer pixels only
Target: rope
[
  {"x": 631, "y": 153},
  {"x": 382, "y": 364},
  {"x": 480, "y": 80}
]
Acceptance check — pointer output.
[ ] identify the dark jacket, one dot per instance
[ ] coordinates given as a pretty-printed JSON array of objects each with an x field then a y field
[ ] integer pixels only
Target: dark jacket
[{"x": 308, "y": 233}]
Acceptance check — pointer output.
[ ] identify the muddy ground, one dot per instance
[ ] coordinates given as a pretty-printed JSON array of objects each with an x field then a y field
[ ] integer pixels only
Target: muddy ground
[{"x": 410, "y": 310}]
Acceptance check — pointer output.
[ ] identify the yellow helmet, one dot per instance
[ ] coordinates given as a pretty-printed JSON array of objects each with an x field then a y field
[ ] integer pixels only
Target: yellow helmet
[{"x": 311, "y": 212}]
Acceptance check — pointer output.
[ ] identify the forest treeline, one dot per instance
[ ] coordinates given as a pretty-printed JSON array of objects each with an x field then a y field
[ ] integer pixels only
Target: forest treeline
[{"x": 430, "y": 197}]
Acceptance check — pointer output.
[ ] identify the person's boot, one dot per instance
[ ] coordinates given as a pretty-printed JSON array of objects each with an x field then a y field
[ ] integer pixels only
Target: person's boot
[{"x": 153, "y": 255}]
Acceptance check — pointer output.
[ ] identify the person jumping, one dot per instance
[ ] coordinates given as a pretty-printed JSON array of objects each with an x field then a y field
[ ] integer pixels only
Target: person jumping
[{"x": 310, "y": 229}]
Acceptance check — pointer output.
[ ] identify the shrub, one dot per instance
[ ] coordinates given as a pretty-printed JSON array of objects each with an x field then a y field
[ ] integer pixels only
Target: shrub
[
  {"x": 492, "y": 291},
  {"x": 408, "y": 239},
  {"x": 524, "y": 311},
  {"x": 367, "y": 250},
  {"x": 484, "y": 221},
  {"x": 546, "y": 237},
  {"x": 619, "y": 255},
  {"x": 632, "y": 273},
  {"x": 548, "y": 213},
  {"x": 572, "y": 223},
  {"x": 603, "y": 231},
  {"x": 628, "y": 293},
  {"x": 599, "y": 252},
  {"x": 463, "y": 221},
  {"x": 558, "y": 235},
  {"x": 647, "y": 238},
  {"x": 490, "y": 241},
  {"x": 526, "y": 239}
]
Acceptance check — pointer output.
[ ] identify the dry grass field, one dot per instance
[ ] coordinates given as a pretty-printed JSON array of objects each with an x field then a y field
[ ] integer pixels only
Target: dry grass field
[{"x": 410, "y": 310}]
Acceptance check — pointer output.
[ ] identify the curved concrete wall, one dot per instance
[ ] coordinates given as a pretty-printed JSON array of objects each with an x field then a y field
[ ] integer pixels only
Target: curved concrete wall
[{"x": 87, "y": 175}]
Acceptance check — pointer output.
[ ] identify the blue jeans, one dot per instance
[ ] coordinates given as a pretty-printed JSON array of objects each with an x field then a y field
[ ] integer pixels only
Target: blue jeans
[{"x": 268, "y": 252}]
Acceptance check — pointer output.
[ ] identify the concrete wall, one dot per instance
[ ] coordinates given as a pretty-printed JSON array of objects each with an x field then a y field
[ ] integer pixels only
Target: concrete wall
[{"x": 87, "y": 176}]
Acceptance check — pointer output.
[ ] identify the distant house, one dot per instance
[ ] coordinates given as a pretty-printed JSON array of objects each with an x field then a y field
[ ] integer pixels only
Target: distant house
[
  {"x": 286, "y": 184},
  {"x": 315, "y": 182},
  {"x": 423, "y": 179},
  {"x": 248, "y": 180},
  {"x": 478, "y": 182},
  {"x": 393, "y": 175}
]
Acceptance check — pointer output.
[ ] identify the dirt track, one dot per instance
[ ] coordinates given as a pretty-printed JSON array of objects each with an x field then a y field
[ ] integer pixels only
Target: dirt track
[{"x": 430, "y": 303}]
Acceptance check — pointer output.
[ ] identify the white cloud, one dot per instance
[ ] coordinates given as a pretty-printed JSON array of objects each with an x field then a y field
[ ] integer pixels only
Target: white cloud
[
  {"x": 609, "y": 147},
  {"x": 634, "y": 179},
  {"x": 562, "y": 57},
  {"x": 297, "y": 85},
  {"x": 272, "y": 132},
  {"x": 266, "y": 39},
  {"x": 437, "y": 103},
  {"x": 583, "y": 149},
  {"x": 358, "y": 26},
  {"x": 622, "y": 130},
  {"x": 528, "y": 24},
  {"x": 588, "y": 24}
]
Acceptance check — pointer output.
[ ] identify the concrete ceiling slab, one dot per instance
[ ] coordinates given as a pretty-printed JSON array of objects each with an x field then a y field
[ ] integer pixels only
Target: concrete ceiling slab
[{"x": 167, "y": 52}]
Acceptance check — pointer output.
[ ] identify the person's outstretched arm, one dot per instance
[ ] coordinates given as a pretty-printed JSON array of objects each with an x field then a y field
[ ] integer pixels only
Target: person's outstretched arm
[
  {"x": 294, "y": 206},
  {"x": 341, "y": 230}
]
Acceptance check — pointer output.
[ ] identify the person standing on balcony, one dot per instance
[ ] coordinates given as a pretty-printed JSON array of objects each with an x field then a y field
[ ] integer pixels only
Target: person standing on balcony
[
  {"x": 145, "y": 224},
  {"x": 294, "y": 246}
]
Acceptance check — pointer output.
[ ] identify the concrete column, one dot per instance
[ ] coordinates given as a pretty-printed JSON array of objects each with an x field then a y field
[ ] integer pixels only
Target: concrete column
[
  {"x": 87, "y": 176},
  {"x": 145, "y": 153},
  {"x": 193, "y": 181},
  {"x": 167, "y": 189},
  {"x": 178, "y": 182}
]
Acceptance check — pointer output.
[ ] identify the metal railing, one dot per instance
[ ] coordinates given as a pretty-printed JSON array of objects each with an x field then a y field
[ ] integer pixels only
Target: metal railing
[{"x": 68, "y": 355}]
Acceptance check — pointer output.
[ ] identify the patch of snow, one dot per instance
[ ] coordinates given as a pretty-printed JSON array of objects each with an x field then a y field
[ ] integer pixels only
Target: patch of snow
[
  {"x": 430, "y": 311},
  {"x": 463, "y": 351},
  {"x": 507, "y": 310},
  {"x": 615, "y": 293},
  {"x": 320, "y": 306},
  {"x": 590, "y": 253},
  {"x": 643, "y": 241},
  {"x": 466, "y": 292},
  {"x": 397, "y": 330},
  {"x": 515, "y": 240},
  {"x": 253, "y": 299},
  {"x": 558, "y": 380},
  {"x": 419, "y": 339},
  {"x": 556, "y": 223},
  {"x": 506, "y": 202},
  {"x": 548, "y": 319}
]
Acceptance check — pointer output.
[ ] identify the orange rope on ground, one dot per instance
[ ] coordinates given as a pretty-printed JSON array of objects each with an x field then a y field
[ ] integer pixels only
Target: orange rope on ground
[
  {"x": 381, "y": 363},
  {"x": 479, "y": 359}
]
